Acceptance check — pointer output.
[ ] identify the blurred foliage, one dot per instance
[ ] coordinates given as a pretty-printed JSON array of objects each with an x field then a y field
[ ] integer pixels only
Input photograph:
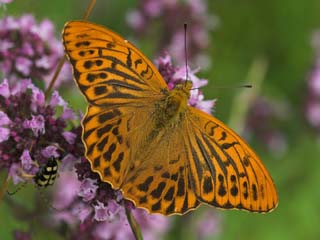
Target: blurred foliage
[{"x": 278, "y": 31}]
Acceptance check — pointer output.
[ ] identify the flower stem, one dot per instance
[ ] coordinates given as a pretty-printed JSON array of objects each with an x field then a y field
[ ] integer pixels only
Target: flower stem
[
  {"x": 4, "y": 186},
  {"x": 61, "y": 62},
  {"x": 55, "y": 76},
  {"x": 244, "y": 99},
  {"x": 89, "y": 9},
  {"x": 134, "y": 225}
]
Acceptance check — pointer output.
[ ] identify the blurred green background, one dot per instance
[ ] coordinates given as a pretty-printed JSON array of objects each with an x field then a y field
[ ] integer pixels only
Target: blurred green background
[{"x": 277, "y": 31}]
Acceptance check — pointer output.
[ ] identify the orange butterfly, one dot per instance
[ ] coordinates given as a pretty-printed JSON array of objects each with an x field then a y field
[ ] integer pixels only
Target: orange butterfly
[{"x": 144, "y": 139}]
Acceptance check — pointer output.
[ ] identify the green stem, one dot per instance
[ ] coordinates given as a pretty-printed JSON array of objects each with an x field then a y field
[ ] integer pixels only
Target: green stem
[
  {"x": 134, "y": 225},
  {"x": 61, "y": 62},
  {"x": 4, "y": 186},
  {"x": 244, "y": 99}
]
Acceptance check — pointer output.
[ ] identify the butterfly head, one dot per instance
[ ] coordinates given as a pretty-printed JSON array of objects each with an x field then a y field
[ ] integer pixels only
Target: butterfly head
[{"x": 184, "y": 87}]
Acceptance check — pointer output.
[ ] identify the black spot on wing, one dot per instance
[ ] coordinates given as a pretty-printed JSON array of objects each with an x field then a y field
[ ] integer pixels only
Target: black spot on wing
[
  {"x": 171, "y": 208},
  {"x": 157, "y": 206},
  {"x": 254, "y": 192},
  {"x": 165, "y": 175},
  {"x": 82, "y": 44},
  {"x": 117, "y": 162},
  {"x": 107, "y": 116},
  {"x": 181, "y": 187},
  {"x": 107, "y": 172},
  {"x": 169, "y": 195},
  {"x": 129, "y": 60},
  {"x": 156, "y": 193},
  {"x": 96, "y": 162},
  {"x": 108, "y": 154},
  {"x": 104, "y": 130},
  {"x": 102, "y": 143},
  {"x": 207, "y": 185},
  {"x": 99, "y": 90},
  {"x": 174, "y": 177},
  {"x": 245, "y": 192},
  {"x": 222, "y": 189},
  {"x": 146, "y": 184},
  {"x": 228, "y": 145}
]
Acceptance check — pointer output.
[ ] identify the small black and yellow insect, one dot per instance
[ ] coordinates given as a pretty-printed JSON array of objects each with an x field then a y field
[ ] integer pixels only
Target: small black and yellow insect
[
  {"x": 44, "y": 177},
  {"x": 47, "y": 174}
]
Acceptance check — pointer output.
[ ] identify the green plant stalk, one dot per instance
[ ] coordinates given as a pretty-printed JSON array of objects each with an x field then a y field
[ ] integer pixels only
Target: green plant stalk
[
  {"x": 134, "y": 225},
  {"x": 243, "y": 100}
]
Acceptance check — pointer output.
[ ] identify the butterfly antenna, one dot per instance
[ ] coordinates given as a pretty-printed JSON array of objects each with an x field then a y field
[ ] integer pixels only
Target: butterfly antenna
[
  {"x": 231, "y": 86},
  {"x": 185, "y": 50}
]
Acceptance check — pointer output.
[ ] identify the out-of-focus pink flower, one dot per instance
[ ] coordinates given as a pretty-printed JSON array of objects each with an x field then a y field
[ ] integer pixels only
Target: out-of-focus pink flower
[
  {"x": 262, "y": 120},
  {"x": 30, "y": 50},
  {"x": 6, "y": 1},
  {"x": 15, "y": 173},
  {"x": 68, "y": 162},
  {"x": 172, "y": 38},
  {"x": 70, "y": 137},
  {"x": 68, "y": 114},
  {"x": 4, "y": 131},
  {"x": 23, "y": 65},
  {"x": 208, "y": 225},
  {"x": 57, "y": 100},
  {"x": 66, "y": 189},
  {"x": 4, "y": 134},
  {"x": 4, "y": 89},
  {"x": 21, "y": 235},
  {"x": 26, "y": 160},
  {"x": 153, "y": 226},
  {"x": 135, "y": 20},
  {"x": 38, "y": 98},
  {"x": 312, "y": 109},
  {"x": 50, "y": 151},
  {"x": 4, "y": 119}
]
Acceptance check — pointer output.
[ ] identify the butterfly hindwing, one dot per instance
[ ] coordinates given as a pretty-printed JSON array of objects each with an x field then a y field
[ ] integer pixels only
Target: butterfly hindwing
[
  {"x": 161, "y": 182},
  {"x": 225, "y": 171}
]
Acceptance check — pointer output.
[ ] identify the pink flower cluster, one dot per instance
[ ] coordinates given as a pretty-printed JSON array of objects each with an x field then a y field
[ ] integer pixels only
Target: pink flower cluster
[
  {"x": 30, "y": 50},
  {"x": 194, "y": 12},
  {"x": 30, "y": 130},
  {"x": 99, "y": 209}
]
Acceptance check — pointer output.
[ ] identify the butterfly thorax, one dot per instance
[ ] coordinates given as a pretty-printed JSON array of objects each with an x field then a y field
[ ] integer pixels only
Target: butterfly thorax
[{"x": 173, "y": 105}]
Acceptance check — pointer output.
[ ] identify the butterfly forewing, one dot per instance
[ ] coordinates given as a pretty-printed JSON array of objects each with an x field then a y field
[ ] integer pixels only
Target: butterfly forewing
[
  {"x": 120, "y": 86},
  {"x": 225, "y": 171},
  {"x": 107, "y": 68}
]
